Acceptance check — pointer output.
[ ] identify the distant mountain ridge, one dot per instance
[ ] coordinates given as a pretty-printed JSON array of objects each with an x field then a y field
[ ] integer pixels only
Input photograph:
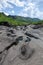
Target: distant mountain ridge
[
  {"x": 26, "y": 19},
  {"x": 18, "y": 20}
]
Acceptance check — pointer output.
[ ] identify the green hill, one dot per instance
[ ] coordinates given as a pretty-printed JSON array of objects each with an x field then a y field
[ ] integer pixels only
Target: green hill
[{"x": 18, "y": 20}]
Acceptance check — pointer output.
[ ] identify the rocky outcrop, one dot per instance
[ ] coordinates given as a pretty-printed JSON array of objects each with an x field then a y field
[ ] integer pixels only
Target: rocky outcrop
[
  {"x": 31, "y": 35},
  {"x": 37, "y": 26},
  {"x": 5, "y": 23},
  {"x": 12, "y": 37}
]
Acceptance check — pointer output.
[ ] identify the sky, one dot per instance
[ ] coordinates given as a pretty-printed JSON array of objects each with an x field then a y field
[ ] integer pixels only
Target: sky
[{"x": 26, "y": 8}]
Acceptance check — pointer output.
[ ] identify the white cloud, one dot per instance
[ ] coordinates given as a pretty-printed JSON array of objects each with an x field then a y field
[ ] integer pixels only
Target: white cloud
[
  {"x": 6, "y": 13},
  {"x": 23, "y": 14},
  {"x": 30, "y": 7},
  {"x": 5, "y": 3},
  {"x": 39, "y": 14},
  {"x": 12, "y": 11},
  {"x": 33, "y": 10},
  {"x": 16, "y": 2},
  {"x": 0, "y": 7}
]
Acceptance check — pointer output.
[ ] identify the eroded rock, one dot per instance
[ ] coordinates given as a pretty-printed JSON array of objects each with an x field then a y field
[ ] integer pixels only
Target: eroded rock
[
  {"x": 31, "y": 35},
  {"x": 11, "y": 38},
  {"x": 25, "y": 52}
]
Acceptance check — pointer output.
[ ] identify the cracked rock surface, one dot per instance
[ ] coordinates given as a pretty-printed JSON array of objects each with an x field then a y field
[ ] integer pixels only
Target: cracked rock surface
[{"x": 20, "y": 47}]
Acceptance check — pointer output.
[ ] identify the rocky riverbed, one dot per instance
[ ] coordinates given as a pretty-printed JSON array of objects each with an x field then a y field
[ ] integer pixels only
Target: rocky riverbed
[{"x": 21, "y": 45}]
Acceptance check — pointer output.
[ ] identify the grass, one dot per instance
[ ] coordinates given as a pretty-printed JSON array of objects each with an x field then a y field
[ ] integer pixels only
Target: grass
[{"x": 18, "y": 20}]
